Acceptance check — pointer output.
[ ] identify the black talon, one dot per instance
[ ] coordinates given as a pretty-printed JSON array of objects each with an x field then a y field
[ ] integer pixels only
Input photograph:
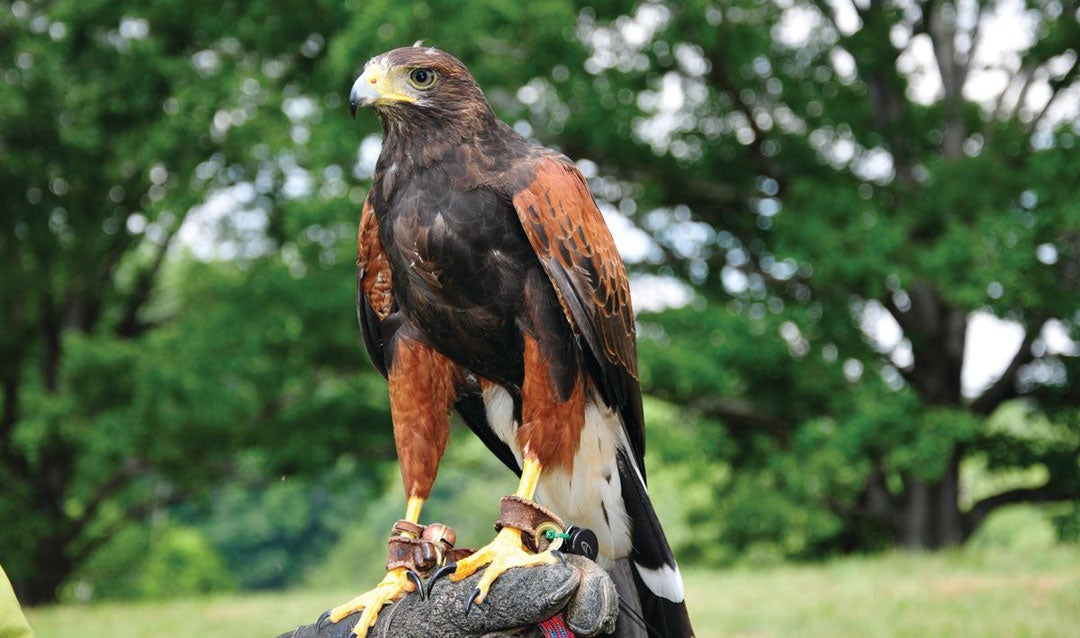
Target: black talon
[
  {"x": 472, "y": 599},
  {"x": 562, "y": 557},
  {"x": 415, "y": 578},
  {"x": 439, "y": 573}
]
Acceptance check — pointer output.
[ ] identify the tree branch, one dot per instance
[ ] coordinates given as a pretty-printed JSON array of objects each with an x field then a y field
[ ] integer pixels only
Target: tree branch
[
  {"x": 1021, "y": 97},
  {"x": 1062, "y": 84},
  {"x": 13, "y": 458},
  {"x": 888, "y": 106},
  {"x": 51, "y": 327},
  {"x": 129, "y": 324},
  {"x": 1025, "y": 73},
  {"x": 137, "y": 513},
  {"x": 899, "y": 315},
  {"x": 718, "y": 73},
  {"x": 875, "y": 503},
  {"x": 1049, "y": 493},
  {"x": 973, "y": 36},
  {"x": 942, "y": 34},
  {"x": 826, "y": 9},
  {"x": 131, "y": 469},
  {"x": 1000, "y": 390},
  {"x": 1050, "y": 397},
  {"x": 740, "y": 414}
]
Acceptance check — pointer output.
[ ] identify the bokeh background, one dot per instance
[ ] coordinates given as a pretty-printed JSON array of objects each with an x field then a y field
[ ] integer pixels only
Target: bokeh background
[{"x": 853, "y": 228}]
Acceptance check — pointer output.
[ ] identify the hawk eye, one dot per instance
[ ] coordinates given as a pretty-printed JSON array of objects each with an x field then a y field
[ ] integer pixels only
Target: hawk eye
[{"x": 422, "y": 78}]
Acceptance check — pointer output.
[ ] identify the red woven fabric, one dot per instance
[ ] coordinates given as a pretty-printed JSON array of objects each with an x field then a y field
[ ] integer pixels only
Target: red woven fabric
[{"x": 555, "y": 627}]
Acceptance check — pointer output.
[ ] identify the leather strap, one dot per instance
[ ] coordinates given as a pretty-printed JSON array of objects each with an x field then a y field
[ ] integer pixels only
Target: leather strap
[
  {"x": 411, "y": 553},
  {"x": 419, "y": 548},
  {"x": 441, "y": 534},
  {"x": 530, "y": 518},
  {"x": 455, "y": 555},
  {"x": 423, "y": 548},
  {"x": 408, "y": 528}
]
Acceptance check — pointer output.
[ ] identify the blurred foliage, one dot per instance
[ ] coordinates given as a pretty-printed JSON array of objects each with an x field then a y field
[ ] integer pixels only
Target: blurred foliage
[
  {"x": 179, "y": 187},
  {"x": 181, "y": 561},
  {"x": 841, "y": 227},
  {"x": 267, "y": 535},
  {"x": 160, "y": 560},
  {"x": 1067, "y": 523},
  {"x": 261, "y": 534}
]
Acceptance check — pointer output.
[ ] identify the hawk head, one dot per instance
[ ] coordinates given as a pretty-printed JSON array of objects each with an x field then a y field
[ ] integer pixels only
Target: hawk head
[{"x": 414, "y": 82}]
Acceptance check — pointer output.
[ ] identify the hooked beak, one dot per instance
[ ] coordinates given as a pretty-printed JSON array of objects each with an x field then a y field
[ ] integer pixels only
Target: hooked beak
[
  {"x": 363, "y": 92},
  {"x": 375, "y": 87}
]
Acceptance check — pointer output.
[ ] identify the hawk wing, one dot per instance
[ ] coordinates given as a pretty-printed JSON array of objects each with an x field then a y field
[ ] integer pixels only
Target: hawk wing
[
  {"x": 576, "y": 249},
  {"x": 376, "y": 311},
  {"x": 374, "y": 297}
]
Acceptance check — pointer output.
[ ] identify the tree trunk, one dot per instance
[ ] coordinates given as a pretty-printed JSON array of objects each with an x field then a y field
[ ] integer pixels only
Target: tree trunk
[
  {"x": 931, "y": 517},
  {"x": 51, "y": 327},
  {"x": 10, "y": 456},
  {"x": 52, "y": 566},
  {"x": 950, "y": 521}
]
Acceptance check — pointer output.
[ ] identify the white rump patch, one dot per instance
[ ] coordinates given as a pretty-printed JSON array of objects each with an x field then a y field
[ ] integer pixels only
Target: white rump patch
[
  {"x": 499, "y": 406},
  {"x": 665, "y": 582},
  {"x": 591, "y": 496}
]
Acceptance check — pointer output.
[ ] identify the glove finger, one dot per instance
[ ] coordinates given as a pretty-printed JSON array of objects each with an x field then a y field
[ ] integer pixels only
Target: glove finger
[{"x": 595, "y": 605}]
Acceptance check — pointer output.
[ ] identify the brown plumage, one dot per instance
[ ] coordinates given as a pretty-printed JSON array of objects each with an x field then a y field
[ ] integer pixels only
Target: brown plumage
[
  {"x": 488, "y": 282},
  {"x": 372, "y": 269}
]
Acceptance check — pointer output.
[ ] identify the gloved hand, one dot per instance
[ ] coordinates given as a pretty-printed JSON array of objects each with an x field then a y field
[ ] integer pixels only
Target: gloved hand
[{"x": 517, "y": 603}]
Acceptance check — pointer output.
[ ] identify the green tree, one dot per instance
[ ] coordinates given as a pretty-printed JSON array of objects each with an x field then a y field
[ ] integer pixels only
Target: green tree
[
  {"x": 819, "y": 170},
  {"x": 119, "y": 394}
]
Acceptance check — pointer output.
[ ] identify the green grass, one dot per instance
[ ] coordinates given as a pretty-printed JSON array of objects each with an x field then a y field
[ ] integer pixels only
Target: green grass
[{"x": 985, "y": 592}]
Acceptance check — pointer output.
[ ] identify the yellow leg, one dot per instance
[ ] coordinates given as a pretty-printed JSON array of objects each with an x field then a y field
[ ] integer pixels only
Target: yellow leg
[
  {"x": 412, "y": 509},
  {"x": 530, "y": 476},
  {"x": 507, "y": 550},
  {"x": 393, "y": 587}
]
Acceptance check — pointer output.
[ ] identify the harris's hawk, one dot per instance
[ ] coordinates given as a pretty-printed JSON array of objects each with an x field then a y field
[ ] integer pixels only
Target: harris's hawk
[{"x": 490, "y": 284}]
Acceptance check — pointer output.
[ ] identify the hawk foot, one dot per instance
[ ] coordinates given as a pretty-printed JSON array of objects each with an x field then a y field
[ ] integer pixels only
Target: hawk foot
[
  {"x": 505, "y": 552},
  {"x": 398, "y": 582}
]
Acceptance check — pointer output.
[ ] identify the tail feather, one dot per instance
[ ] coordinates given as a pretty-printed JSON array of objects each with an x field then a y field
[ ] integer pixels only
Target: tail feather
[
  {"x": 631, "y": 622},
  {"x": 655, "y": 574}
]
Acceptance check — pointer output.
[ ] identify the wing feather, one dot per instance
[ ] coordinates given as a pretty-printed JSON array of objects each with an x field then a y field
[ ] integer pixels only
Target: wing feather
[
  {"x": 374, "y": 297},
  {"x": 577, "y": 251}
]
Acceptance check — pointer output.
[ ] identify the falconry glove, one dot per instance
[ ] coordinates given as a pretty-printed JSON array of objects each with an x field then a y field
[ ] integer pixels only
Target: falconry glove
[{"x": 580, "y": 592}]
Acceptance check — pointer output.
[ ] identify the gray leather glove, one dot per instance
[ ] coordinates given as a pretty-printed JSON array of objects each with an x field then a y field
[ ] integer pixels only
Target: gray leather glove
[{"x": 518, "y": 601}]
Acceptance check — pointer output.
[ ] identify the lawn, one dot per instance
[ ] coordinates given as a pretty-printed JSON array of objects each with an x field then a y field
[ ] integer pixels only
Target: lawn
[{"x": 959, "y": 593}]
